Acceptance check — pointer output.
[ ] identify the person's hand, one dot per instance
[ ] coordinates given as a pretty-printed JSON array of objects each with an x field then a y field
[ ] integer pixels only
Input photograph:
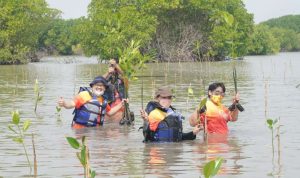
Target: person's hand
[
  {"x": 125, "y": 101},
  {"x": 197, "y": 129},
  {"x": 236, "y": 98},
  {"x": 111, "y": 69},
  {"x": 144, "y": 115},
  {"x": 61, "y": 102}
]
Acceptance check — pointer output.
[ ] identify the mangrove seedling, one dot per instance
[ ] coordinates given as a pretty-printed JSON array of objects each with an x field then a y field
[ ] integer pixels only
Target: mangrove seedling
[
  {"x": 271, "y": 123},
  {"x": 83, "y": 156},
  {"x": 202, "y": 109},
  {"x": 38, "y": 98},
  {"x": 212, "y": 168},
  {"x": 190, "y": 91},
  {"x": 19, "y": 128},
  {"x": 237, "y": 104},
  {"x": 131, "y": 60},
  {"x": 58, "y": 112}
]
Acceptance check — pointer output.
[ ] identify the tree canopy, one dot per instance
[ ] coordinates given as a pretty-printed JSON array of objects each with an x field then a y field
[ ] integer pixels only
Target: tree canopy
[
  {"x": 21, "y": 24},
  {"x": 166, "y": 30},
  {"x": 174, "y": 30}
]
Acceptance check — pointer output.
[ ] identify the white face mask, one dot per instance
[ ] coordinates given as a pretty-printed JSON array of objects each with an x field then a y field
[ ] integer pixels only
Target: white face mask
[{"x": 98, "y": 93}]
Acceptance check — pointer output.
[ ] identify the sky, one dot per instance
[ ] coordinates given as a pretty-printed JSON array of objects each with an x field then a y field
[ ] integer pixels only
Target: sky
[{"x": 262, "y": 9}]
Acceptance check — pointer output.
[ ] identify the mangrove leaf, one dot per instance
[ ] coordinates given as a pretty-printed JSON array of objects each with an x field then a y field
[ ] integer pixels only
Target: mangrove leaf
[
  {"x": 15, "y": 117},
  {"x": 73, "y": 142},
  {"x": 26, "y": 125},
  {"x": 18, "y": 140},
  {"x": 211, "y": 168}
]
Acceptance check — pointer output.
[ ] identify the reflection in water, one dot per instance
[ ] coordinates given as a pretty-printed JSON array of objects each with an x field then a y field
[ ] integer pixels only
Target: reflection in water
[
  {"x": 162, "y": 158},
  {"x": 119, "y": 152},
  {"x": 218, "y": 145}
]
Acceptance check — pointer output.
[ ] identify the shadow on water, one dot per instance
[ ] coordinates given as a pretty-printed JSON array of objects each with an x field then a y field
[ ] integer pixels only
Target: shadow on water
[{"x": 119, "y": 151}]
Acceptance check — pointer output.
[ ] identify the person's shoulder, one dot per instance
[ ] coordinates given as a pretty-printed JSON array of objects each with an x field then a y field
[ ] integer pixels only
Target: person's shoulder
[
  {"x": 151, "y": 106},
  {"x": 84, "y": 94}
]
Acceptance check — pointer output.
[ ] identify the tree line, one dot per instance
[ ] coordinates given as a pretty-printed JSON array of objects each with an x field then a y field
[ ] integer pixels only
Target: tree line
[{"x": 166, "y": 30}]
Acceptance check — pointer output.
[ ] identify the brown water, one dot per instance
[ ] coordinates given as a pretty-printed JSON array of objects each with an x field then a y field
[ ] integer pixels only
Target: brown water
[{"x": 118, "y": 151}]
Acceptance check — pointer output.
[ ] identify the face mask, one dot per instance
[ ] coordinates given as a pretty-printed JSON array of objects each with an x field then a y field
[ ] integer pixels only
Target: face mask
[
  {"x": 217, "y": 99},
  {"x": 98, "y": 93}
]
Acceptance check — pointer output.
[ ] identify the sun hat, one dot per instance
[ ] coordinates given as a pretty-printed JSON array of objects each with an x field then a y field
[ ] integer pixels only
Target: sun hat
[
  {"x": 99, "y": 79},
  {"x": 164, "y": 92}
]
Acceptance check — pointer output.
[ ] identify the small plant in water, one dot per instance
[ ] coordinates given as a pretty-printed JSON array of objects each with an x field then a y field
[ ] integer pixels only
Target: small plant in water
[
  {"x": 19, "y": 130},
  {"x": 271, "y": 124},
  {"x": 58, "y": 114},
  {"x": 38, "y": 98},
  {"x": 211, "y": 168},
  {"x": 83, "y": 155}
]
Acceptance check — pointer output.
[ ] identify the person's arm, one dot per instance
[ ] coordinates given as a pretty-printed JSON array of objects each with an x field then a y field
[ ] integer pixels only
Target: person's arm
[
  {"x": 106, "y": 75},
  {"x": 192, "y": 135},
  {"x": 193, "y": 119},
  {"x": 66, "y": 104},
  {"x": 119, "y": 70},
  {"x": 116, "y": 108},
  {"x": 234, "y": 115}
]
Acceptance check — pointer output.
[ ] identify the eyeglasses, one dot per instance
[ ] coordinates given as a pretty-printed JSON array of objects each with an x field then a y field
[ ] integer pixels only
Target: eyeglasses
[
  {"x": 166, "y": 97},
  {"x": 216, "y": 92}
]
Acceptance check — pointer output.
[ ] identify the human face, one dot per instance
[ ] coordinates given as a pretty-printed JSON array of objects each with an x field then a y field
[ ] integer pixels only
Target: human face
[
  {"x": 98, "y": 89},
  {"x": 217, "y": 91},
  {"x": 112, "y": 62},
  {"x": 165, "y": 101}
]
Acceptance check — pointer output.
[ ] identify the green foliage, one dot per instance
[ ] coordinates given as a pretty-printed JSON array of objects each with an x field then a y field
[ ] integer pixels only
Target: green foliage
[
  {"x": 174, "y": 29},
  {"x": 211, "y": 168},
  {"x": 291, "y": 22},
  {"x": 58, "y": 109},
  {"x": 38, "y": 98},
  {"x": 21, "y": 24},
  {"x": 112, "y": 24},
  {"x": 271, "y": 123},
  {"x": 60, "y": 37},
  {"x": 58, "y": 114},
  {"x": 202, "y": 103},
  {"x": 15, "y": 117},
  {"x": 288, "y": 39},
  {"x": 83, "y": 155},
  {"x": 263, "y": 42},
  {"x": 231, "y": 29},
  {"x": 19, "y": 129},
  {"x": 286, "y": 30},
  {"x": 190, "y": 91},
  {"x": 131, "y": 59},
  {"x": 73, "y": 142}
]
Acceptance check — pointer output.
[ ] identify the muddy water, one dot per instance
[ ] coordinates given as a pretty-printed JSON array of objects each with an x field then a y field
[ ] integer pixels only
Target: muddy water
[{"x": 268, "y": 87}]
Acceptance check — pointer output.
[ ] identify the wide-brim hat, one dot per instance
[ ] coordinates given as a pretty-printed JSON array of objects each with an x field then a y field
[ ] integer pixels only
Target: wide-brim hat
[
  {"x": 99, "y": 79},
  {"x": 164, "y": 92}
]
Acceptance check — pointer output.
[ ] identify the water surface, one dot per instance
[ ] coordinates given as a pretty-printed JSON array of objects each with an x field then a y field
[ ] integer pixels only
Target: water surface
[{"x": 268, "y": 89}]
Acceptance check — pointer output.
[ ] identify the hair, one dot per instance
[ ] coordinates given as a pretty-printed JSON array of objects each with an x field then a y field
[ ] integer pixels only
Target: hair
[
  {"x": 116, "y": 58},
  {"x": 215, "y": 85}
]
